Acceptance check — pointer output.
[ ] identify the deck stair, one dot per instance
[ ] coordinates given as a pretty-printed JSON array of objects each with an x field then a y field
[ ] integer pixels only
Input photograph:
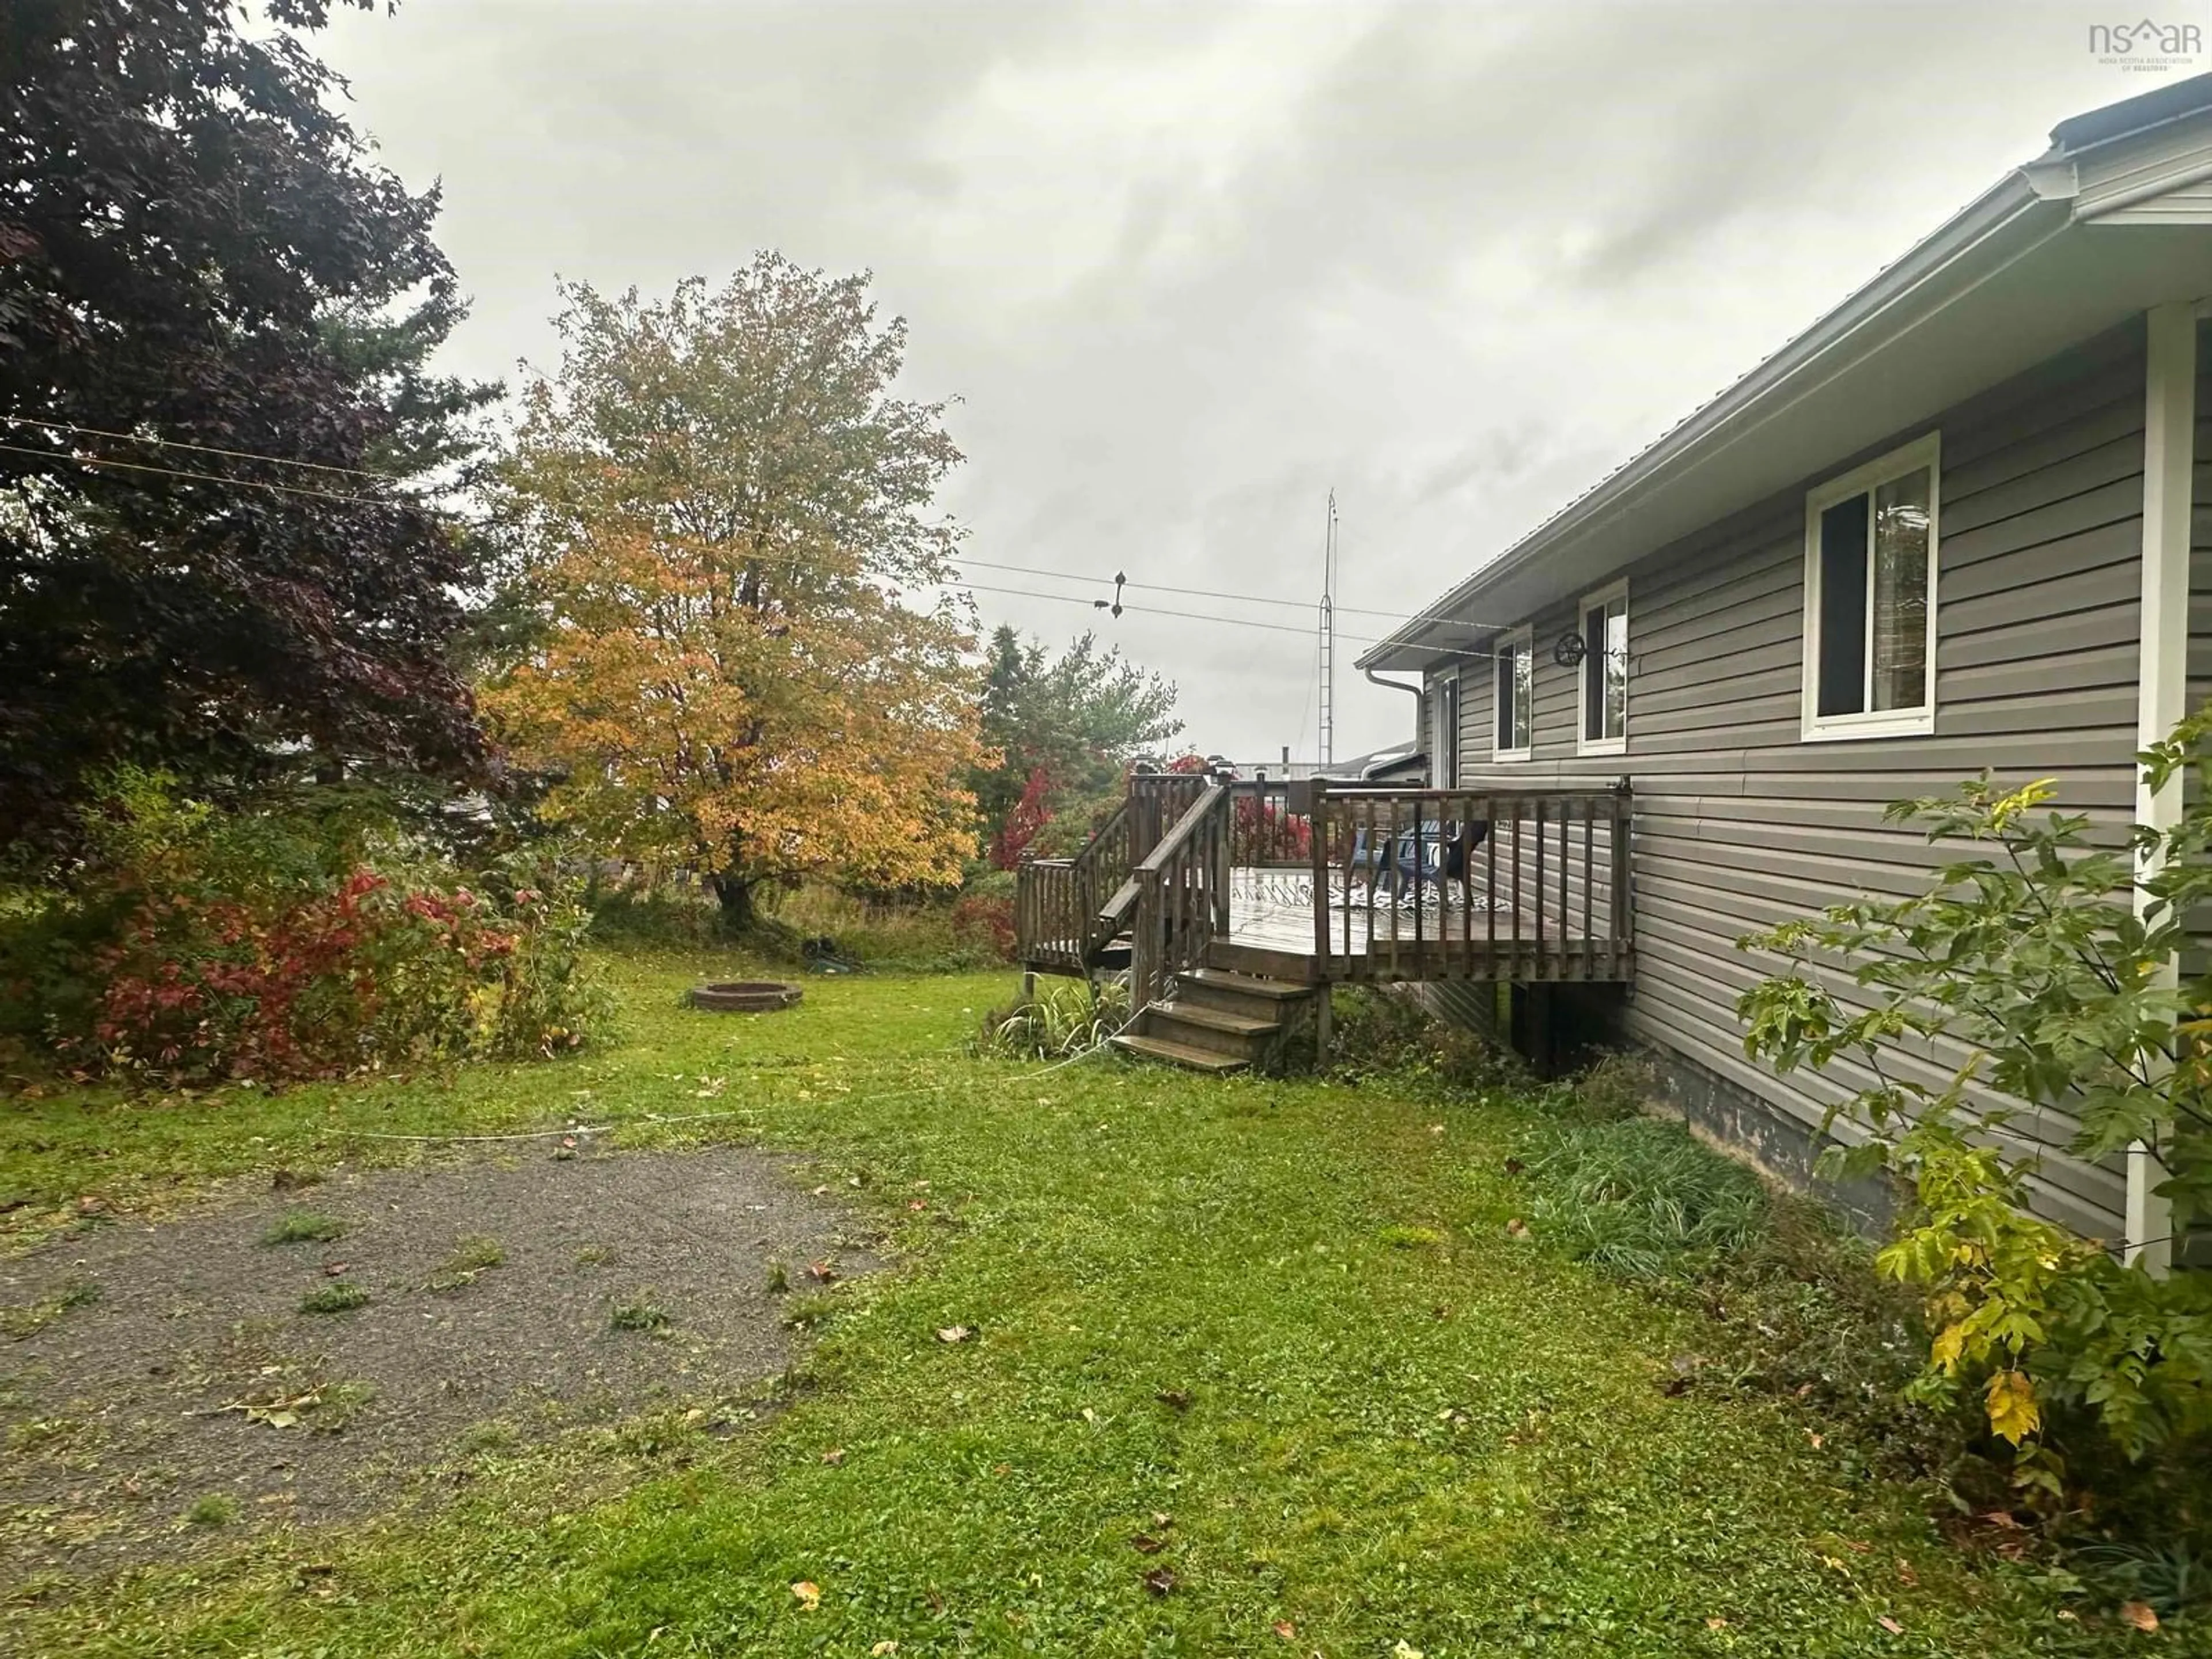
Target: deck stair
[{"x": 1215, "y": 1021}]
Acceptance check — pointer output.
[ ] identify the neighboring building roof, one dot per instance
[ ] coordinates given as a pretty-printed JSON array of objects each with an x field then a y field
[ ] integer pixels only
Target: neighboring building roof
[
  {"x": 1398, "y": 757},
  {"x": 2007, "y": 281}
]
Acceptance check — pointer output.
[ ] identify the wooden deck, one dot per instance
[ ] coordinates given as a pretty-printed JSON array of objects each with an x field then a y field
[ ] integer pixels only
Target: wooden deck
[
  {"x": 1455, "y": 932},
  {"x": 1316, "y": 885}
]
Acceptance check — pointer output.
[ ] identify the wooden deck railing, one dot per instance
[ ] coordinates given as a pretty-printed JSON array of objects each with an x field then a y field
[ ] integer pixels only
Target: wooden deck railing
[
  {"x": 1448, "y": 883},
  {"x": 1058, "y": 903}
]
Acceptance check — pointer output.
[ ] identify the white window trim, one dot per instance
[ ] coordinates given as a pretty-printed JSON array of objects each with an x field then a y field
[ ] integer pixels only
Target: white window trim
[
  {"x": 1524, "y": 637},
  {"x": 1457, "y": 680},
  {"x": 1814, "y": 727},
  {"x": 1585, "y": 744}
]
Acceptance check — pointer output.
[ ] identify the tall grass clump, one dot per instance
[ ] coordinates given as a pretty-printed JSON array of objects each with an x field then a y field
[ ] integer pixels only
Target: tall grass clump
[
  {"x": 1059, "y": 1022},
  {"x": 1643, "y": 1198}
]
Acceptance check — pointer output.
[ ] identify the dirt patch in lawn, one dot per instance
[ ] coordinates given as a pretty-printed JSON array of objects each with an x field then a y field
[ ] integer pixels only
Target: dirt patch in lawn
[{"x": 298, "y": 1352}]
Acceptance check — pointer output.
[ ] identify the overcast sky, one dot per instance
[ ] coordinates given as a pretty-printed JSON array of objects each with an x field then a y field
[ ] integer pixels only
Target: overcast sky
[{"x": 1189, "y": 266}]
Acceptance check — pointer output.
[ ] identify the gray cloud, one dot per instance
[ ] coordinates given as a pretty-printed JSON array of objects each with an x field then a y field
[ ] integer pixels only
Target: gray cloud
[{"x": 1189, "y": 266}]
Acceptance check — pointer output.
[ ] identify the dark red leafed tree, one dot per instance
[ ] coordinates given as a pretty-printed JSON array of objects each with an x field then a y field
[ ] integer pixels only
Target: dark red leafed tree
[
  {"x": 1030, "y": 814},
  {"x": 195, "y": 251}
]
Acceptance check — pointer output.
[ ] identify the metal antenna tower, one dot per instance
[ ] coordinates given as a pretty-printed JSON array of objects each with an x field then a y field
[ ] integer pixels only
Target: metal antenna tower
[{"x": 1329, "y": 638}]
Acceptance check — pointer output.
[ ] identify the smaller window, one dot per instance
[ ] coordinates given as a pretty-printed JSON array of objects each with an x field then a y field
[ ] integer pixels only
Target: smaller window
[
  {"x": 1602, "y": 703},
  {"x": 1515, "y": 698},
  {"x": 1870, "y": 599}
]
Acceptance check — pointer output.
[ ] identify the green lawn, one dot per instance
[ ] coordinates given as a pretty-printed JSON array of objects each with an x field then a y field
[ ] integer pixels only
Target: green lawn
[{"x": 1280, "y": 1330}]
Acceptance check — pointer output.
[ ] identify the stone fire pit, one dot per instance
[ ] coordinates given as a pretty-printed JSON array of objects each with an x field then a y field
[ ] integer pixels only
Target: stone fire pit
[{"x": 744, "y": 996}]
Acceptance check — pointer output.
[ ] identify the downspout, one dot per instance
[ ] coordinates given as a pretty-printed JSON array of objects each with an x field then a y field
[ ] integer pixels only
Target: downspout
[
  {"x": 2162, "y": 685},
  {"x": 1420, "y": 695}
]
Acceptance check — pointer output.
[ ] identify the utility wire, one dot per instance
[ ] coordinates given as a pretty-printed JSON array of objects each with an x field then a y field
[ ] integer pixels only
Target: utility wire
[
  {"x": 200, "y": 478},
  {"x": 205, "y": 449},
  {"x": 1225, "y": 621},
  {"x": 1193, "y": 592},
  {"x": 762, "y": 558}
]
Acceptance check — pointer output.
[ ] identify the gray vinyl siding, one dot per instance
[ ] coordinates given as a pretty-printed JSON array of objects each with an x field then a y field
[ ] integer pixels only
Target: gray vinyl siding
[{"x": 1739, "y": 824}]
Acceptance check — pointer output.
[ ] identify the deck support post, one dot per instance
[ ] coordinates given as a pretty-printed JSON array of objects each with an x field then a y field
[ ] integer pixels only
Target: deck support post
[
  {"x": 2161, "y": 685},
  {"x": 1324, "y": 1026}
]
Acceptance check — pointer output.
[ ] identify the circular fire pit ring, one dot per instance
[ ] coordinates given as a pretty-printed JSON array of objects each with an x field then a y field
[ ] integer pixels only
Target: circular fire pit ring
[{"x": 744, "y": 996}]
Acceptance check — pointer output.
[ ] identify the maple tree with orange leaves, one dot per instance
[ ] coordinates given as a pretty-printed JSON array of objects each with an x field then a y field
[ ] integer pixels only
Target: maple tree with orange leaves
[{"x": 721, "y": 513}]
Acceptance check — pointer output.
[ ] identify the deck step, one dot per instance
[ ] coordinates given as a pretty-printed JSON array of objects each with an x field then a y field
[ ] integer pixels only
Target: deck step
[
  {"x": 1248, "y": 984},
  {"x": 1179, "y": 1054},
  {"x": 1225, "y": 1021},
  {"x": 1235, "y": 1033},
  {"x": 1239, "y": 996}
]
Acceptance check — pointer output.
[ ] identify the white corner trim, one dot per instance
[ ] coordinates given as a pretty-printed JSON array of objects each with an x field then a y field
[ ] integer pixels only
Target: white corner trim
[
  {"x": 2162, "y": 684},
  {"x": 1585, "y": 744},
  {"x": 1522, "y": 638},
  {"x": 1812, "y": 727}
]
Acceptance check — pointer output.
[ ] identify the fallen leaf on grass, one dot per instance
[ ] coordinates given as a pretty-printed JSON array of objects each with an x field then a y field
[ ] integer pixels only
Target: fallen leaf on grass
[
  {"x": 1162, "y": 1520},
  {"x": 1818, "y": 1440},
  {"x": 1513, "y": 1166},
  {"x": 1174, "y": 1398},
  {"x": 1716, "y": 1622},
  {"x": 1159, "y": 1580},
  {"x": 1145, "y": 1544},
  {"x": 1516, "y": 1228},
  {"x": 834, "y": 1457},
  {"x": 822, "y": 1272},
  {"x": 1406, "y": 1649},
  {"x": 1905, "y": 1572},
  {"x": 333, "y": 1269},
  {"x": 918, "y": 1204},
  {"x": 881, "y": 1649},
  {"x": 809, "y": 1593},
  {"x": 1890, "y": 1624},
  {"x": 821, "y": 1192},
  {"x": 1286, "y": 1630},
  {"x": 2138, "y": 1616},
  {"x": 953, "y": 1332}
]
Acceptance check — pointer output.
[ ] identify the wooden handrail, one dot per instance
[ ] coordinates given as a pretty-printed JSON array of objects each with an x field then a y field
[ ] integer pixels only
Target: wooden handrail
[
  {"x": 1186, "y": 829},
  {"x": 1182, "y": 897}
]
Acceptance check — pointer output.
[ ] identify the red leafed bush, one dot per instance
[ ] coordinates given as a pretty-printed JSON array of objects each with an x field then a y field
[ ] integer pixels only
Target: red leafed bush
[
  {"x": 986, "y": 921},
  {"x": 1260, "y": 832},
  {"x": 200, "y": 944}
]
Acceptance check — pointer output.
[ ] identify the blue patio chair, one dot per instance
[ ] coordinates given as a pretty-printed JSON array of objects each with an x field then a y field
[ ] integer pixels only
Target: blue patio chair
[{"x": 1417, "y": 855}]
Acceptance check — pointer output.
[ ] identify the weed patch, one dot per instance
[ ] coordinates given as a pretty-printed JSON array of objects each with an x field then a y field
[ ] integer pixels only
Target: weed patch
[
  {"x": 215, "y": 1509},
  {"x": 30, "y": 1320},
  {"x": 336, "y": 1298},
  {"x": 638, "y": 1317},
  {"x": 304, "y": 1227},
  {"x": 473, "y": 1255}
]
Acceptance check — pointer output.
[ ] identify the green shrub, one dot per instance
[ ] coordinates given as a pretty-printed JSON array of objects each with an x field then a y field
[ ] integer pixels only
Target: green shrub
[{"x": 2030, "y": 958}]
